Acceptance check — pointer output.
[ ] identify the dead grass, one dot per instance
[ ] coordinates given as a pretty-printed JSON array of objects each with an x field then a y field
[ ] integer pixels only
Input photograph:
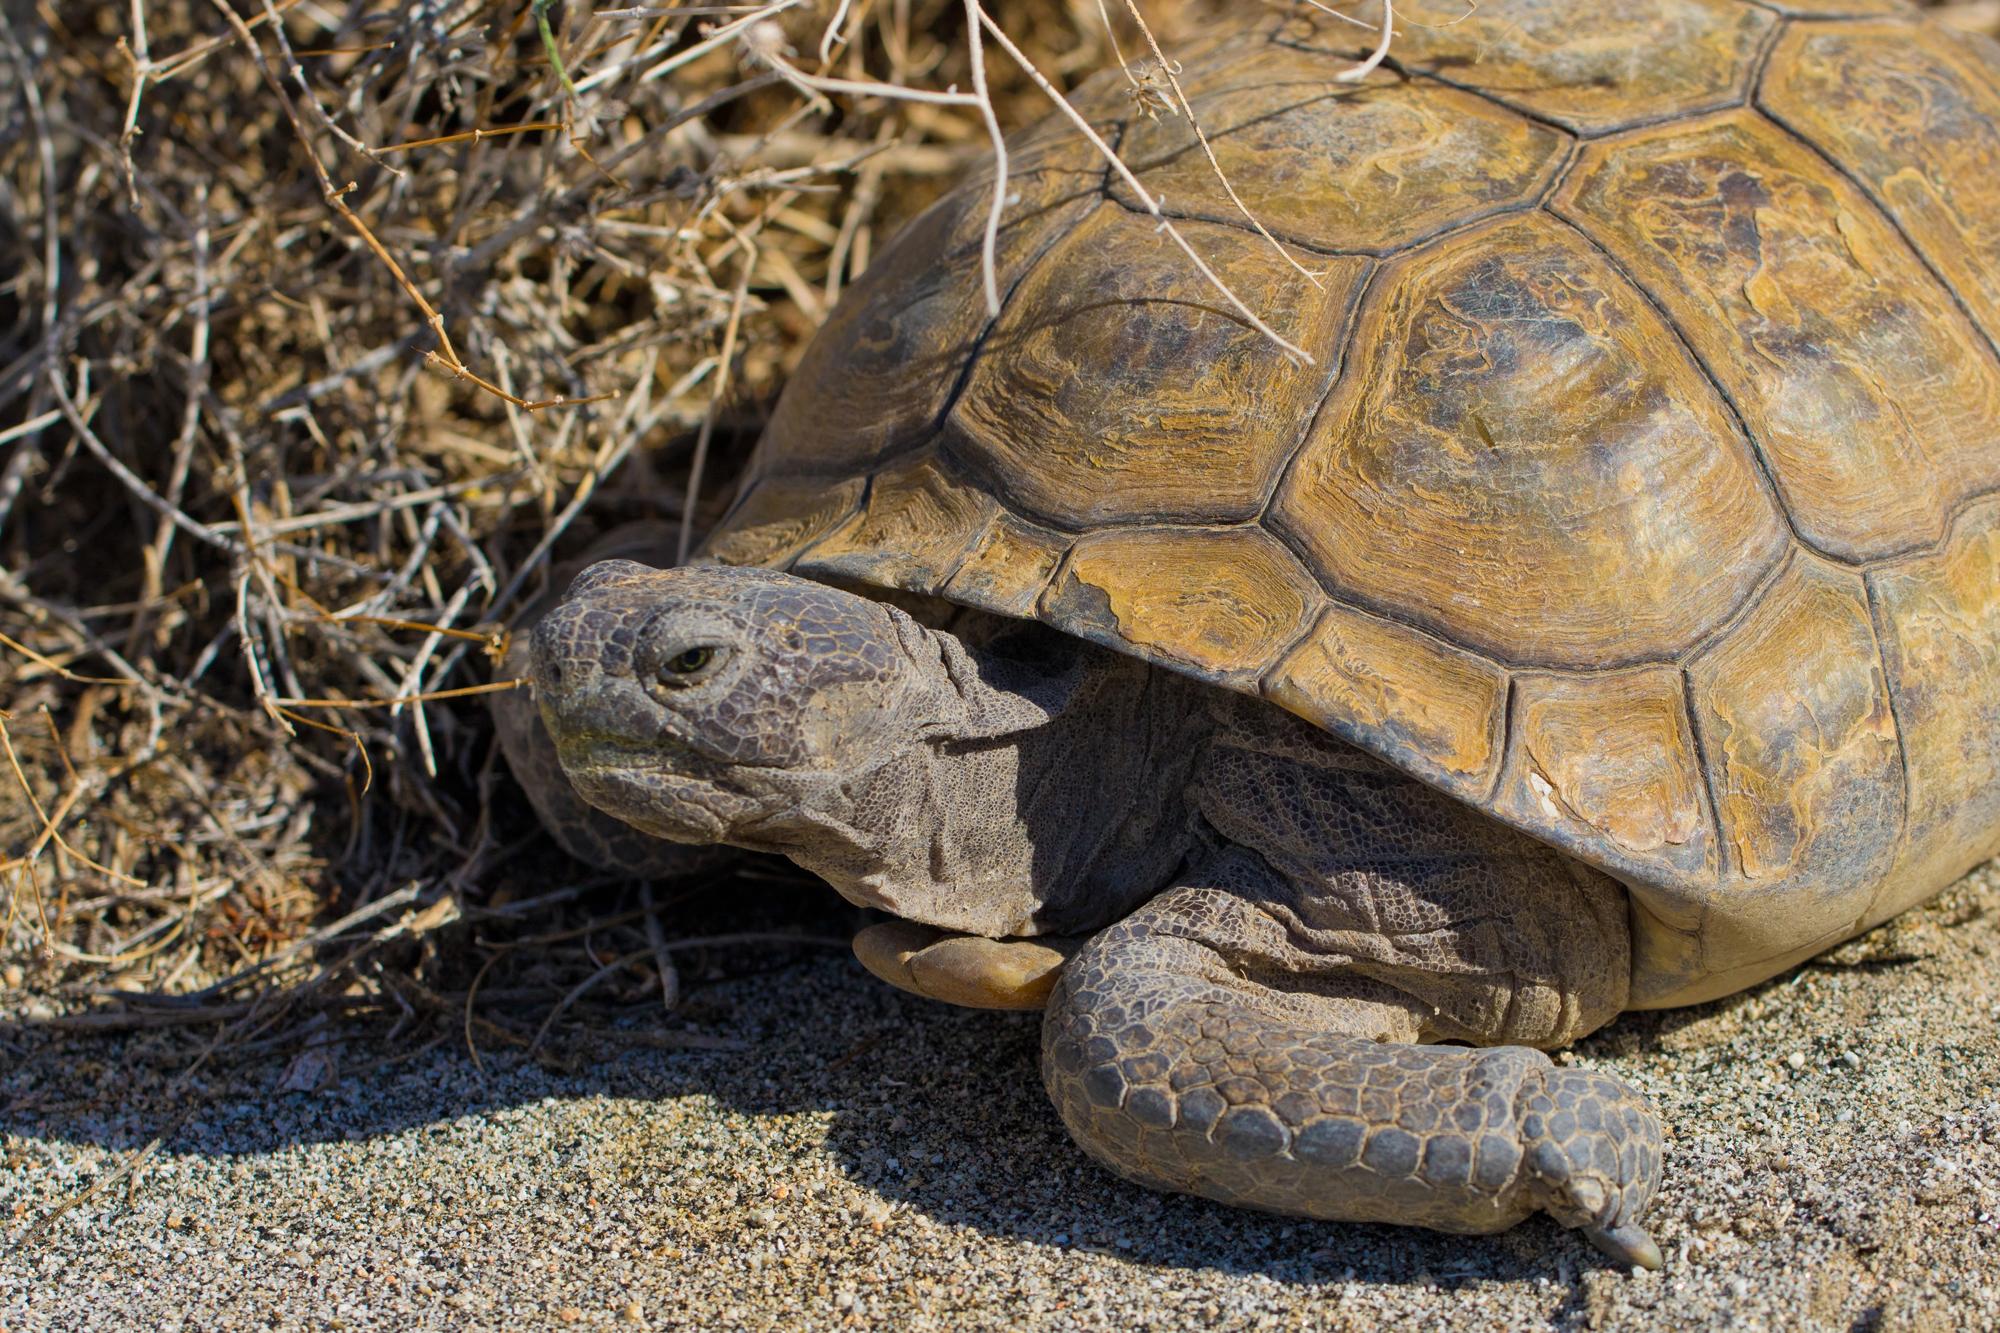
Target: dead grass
[{"x": 323, "y": 331}]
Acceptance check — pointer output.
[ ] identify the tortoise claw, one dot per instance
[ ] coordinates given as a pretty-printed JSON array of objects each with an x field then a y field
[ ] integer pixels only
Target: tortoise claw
[
  {"x": 1594, "y": 1145},
  {"x": 1629, "y": 1245}
]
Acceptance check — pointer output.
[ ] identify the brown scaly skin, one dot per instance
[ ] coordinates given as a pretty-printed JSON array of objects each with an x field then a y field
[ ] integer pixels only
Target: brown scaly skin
[
  {"x": 1168, "y": 1069},
  {"x": 1276, "y": 921},
  {"x": 585, "y": 832}
]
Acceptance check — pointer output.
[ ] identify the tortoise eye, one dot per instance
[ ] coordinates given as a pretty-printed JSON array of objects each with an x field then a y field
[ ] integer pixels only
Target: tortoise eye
[{"x": 677, "y": 669}]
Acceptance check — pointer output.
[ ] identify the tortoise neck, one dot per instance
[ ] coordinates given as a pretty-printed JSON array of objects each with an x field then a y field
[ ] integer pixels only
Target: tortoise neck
[{"x": 1042, "y": 792}]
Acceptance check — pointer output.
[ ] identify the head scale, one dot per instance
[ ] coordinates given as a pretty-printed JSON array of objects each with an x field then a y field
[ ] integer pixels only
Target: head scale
[{"x": 705, "y": 704}]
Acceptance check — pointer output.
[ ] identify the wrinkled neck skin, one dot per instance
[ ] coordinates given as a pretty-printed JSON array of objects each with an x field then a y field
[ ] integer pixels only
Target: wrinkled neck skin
[{"x": 1041, "y": 790}]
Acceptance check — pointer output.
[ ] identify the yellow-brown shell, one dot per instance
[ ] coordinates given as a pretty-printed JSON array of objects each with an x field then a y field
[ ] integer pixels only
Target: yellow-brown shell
[{"x": 1644, "y": 485}]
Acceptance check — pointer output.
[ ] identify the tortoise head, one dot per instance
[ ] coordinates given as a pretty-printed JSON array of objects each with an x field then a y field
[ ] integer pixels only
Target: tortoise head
[{"x": 709, "y": 704}]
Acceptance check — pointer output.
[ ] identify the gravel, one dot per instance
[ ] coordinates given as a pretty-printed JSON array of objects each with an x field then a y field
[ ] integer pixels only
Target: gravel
[{"x": 872, "y": 1160}]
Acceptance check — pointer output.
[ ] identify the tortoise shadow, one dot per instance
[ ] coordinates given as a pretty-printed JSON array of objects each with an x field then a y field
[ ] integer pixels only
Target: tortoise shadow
[
  {"x": 927, "y": 1109},
  {"x": 942, "y": 1111}
]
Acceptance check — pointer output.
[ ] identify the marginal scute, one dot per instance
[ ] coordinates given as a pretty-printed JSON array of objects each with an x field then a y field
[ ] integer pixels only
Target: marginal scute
[
  {"x": 1253, "y": 83},
  {"x": 1434, "y": 708},
  {"x": 1009, "y": 565},
  {"x": 774, "y": 520},
  {"x": 916, "y": 523},
  {"x": 1610, "y": 757},
  {"x": 1802, "y": 754},
  {"x": 1915, "y": 115},
  {"x": 1220, "y": 603},
  {"x": 1107, "y": 98},
  {"x": 880, "y": 372},
  {"x": 1547, "y": 58},
  {"x": 1940, "y": 624},
  {"x": 1367, "y": 167},
  {"x": 1526, "y": 460},
  {"x": 1666, "y": 955},
  {"x": 1120, "y": 387},
  {"x": 1873, "y": 398}
]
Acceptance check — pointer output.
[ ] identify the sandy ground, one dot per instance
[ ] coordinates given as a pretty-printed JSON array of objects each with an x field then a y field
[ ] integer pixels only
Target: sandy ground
[{"x": 868, "y": 1159}]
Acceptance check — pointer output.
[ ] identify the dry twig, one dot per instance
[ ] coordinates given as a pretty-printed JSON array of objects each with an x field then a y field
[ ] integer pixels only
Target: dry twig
[{"x": 252, "y": 544}]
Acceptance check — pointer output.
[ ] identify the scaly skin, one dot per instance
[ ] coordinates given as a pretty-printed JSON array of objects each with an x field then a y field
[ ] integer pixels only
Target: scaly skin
[
  {"x": 1275, "y": 921},
  {"x": 586, "y": 833},
  {"x": 1177, "y": 1074}
]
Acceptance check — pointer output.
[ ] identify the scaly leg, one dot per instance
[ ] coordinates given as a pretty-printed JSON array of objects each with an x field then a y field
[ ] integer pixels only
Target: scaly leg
[
  {"x": 1251, "y": 1034},
  {"x": 1177, "y": 1071}
]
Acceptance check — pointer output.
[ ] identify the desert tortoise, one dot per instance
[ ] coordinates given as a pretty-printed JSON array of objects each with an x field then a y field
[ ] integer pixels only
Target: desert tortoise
[{"x": 1606, "y": 616}]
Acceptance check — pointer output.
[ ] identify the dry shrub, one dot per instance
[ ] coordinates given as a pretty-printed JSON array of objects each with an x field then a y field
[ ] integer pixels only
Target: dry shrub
[{"x": 266, "y": 445}]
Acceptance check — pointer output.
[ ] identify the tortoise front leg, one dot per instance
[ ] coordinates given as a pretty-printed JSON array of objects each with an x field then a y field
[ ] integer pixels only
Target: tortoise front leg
[{"x": 1178, "y": 1069}]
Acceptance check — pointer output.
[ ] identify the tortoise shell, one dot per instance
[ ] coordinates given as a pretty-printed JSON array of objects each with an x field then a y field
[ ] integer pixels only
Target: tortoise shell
[{"x": 1643, "y": 485}]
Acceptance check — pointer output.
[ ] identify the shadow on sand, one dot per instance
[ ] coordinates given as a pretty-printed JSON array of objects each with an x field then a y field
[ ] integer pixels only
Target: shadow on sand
[{"x": 925, "y": 1107}]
